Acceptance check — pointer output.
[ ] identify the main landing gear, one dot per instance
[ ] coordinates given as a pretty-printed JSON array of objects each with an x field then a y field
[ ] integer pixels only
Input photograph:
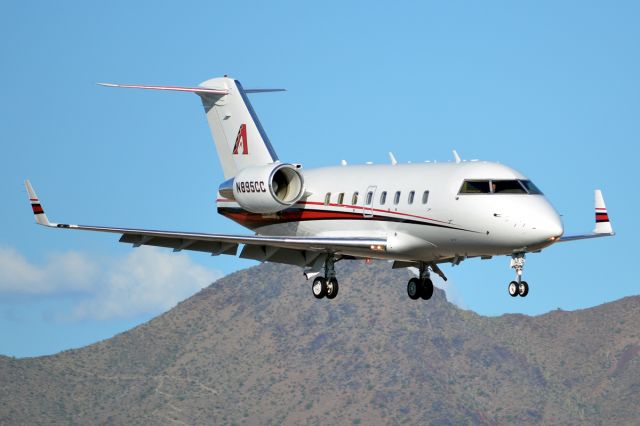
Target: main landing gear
[
  {"x": 326, "y": 286},
  {"x": 518, "y": 287},
  {"x": 421, "y": 287}
]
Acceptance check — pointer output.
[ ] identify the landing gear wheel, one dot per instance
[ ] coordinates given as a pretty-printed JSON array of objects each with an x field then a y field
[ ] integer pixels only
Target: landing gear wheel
[
  {"x": 319, "y": 287},
  {"x": 332, "y": 288},
  {"x": 523, "y": 289},
  {"x": 513, "y": 289},
  {"x": 413, "y": 288},
  {"x": 427, "y": 289}
]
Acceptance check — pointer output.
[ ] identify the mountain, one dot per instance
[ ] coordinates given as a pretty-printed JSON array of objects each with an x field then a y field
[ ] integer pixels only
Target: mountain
[{"x": 256, "y": 348}]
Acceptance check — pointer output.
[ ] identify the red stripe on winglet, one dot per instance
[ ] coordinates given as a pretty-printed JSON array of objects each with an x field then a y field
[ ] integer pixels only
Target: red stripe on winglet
[{"x": 37, "y": 209}]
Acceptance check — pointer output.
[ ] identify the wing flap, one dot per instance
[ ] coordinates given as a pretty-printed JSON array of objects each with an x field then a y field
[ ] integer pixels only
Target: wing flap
[{"x": 179, "y": 244}]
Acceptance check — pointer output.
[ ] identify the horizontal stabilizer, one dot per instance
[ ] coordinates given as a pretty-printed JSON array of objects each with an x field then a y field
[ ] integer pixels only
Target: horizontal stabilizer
[
  {"x": 203, "y": 90},
  {"x": 263, "y": 90}
]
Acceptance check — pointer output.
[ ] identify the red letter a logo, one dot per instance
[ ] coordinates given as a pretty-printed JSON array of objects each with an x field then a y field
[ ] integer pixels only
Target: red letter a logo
[{"x": 241, "y": 141}]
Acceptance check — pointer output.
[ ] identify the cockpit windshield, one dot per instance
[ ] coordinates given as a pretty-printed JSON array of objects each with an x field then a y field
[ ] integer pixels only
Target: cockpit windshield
[
  {"x": 499, "y": 186},
  {"x": 507, "y": 187},
  {"x": 531, "y": 187},
  {"x": 475, "y": 187}
]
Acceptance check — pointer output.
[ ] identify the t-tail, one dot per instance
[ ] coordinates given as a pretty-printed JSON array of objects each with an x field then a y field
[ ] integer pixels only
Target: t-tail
[{"x": 240, "y": 140}]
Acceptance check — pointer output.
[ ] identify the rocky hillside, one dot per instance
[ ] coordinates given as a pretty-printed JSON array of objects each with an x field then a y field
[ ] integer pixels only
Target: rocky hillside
[{"x": 257, "y": 348}]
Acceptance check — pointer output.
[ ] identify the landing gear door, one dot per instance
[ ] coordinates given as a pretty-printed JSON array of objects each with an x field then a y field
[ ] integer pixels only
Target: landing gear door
[{"x": 370, "y": 195}]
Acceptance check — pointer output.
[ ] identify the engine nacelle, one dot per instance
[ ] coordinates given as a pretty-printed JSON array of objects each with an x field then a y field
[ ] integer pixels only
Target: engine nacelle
[{"x": 269, "y": 188}]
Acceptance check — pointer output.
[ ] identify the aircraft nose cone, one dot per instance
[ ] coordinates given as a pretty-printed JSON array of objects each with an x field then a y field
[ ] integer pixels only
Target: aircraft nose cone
[{"x": 551, "y": 227}]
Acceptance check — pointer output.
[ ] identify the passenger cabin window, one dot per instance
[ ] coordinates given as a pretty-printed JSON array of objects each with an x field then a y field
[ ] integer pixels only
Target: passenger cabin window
[
  {"x": 340, "y": 197},
  {"x": 327, "y": 199},
  {"x": 412, "y": 194},
  {"x": 396, "y": 198},
  {"x": 475, "y": 187},
  {"x": 425, "y": 197},
  {"x": 531, "y": 188},
  {"x": 383, "y": 198},
  {"x": 354, "y": 199},
  {"x": 507, "y": 187},
  {"x": 369, "y": 198}
]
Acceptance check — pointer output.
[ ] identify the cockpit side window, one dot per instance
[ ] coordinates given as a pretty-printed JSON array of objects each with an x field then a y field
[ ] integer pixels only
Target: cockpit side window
[
  {"x": 475, "y": 187},
  {"x": 507, "y": 187},
  {"x": 531, "y": 187}
]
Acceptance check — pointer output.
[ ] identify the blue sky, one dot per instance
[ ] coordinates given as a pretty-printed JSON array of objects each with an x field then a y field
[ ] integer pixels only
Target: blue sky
[{"x": 550, "y": 88}]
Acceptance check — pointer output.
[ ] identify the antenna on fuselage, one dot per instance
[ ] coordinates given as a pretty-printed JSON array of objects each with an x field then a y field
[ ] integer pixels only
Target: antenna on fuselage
[
  {"x": 392, "y": 158},
  {"x": 456, "y": 156}
]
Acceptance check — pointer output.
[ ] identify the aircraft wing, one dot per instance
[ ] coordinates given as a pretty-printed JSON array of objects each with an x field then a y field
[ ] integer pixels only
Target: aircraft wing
[
  {"x": 603, "y": 225},
  {"x": 301, "y": 251}
]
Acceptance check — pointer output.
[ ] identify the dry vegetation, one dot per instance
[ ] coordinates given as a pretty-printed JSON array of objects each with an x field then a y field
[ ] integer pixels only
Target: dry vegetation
[{"x": 256, "y": 348}]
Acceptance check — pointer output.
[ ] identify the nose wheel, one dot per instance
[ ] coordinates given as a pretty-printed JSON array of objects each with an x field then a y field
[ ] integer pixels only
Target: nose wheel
[{"x": 518, "y": 287}]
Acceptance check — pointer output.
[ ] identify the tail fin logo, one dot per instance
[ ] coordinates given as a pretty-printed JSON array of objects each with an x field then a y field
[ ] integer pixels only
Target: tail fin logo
[{"x": 241, "y": 141}]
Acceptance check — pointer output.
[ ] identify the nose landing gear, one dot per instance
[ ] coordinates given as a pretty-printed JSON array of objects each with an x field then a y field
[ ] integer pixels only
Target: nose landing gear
[{"x": 518, "y": 287}]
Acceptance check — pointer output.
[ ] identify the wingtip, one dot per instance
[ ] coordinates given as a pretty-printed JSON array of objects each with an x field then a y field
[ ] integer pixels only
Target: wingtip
[
  {"x": 603, "y": 223},
  {"x": 36, "y": 206}
]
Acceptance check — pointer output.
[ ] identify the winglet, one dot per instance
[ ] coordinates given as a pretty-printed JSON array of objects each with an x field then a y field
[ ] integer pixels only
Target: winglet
[
  {"x": 603, "y": 225},
  {"x": 38, "y": 212}
]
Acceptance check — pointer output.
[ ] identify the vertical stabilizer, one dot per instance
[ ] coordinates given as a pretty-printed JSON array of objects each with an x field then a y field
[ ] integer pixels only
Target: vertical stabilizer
[{"x": 239, "y": 137}]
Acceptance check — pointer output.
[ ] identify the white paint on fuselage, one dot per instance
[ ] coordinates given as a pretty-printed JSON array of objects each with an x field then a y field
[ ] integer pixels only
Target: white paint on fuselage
[{"x": 488, "y": 224}]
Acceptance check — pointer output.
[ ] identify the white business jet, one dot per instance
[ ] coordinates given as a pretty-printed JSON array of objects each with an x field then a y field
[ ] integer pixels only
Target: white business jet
[{"x": 418, "y": 215}]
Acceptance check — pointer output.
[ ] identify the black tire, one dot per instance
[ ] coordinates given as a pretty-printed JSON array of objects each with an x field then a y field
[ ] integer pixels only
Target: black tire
[
  {"x": 427, "y": 289},
  {"x": 513, "y": 289},
  {"x": 319, "y": 287},
  {"x": 332, "y": 288},
  {"x": 523, "y": 289},
  {"x": 414, "y": 288}
]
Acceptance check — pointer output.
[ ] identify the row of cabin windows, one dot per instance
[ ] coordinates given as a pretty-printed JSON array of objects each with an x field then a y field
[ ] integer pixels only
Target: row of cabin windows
[{"x": 383, "y": 198}]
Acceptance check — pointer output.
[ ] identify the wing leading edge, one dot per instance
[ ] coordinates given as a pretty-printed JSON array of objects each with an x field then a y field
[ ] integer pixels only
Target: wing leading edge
[{"x": 301, "y": 251}]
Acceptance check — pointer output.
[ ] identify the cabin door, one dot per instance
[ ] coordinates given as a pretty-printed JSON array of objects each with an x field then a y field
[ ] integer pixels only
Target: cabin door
[{"x": 369, "y": 196}]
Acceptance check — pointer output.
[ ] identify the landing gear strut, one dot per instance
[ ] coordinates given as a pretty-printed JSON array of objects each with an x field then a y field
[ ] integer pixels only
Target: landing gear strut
[
  {"x": 421, "y": 287},
  {"x": 326, "y": 286},
  {"x": 518, "y": 287}
]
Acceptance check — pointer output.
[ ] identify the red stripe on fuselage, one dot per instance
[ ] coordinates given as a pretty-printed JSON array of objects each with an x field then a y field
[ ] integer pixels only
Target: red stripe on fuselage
[
  {"x": 360, "y": 208},
  {"x": 348, "y": 206}
]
